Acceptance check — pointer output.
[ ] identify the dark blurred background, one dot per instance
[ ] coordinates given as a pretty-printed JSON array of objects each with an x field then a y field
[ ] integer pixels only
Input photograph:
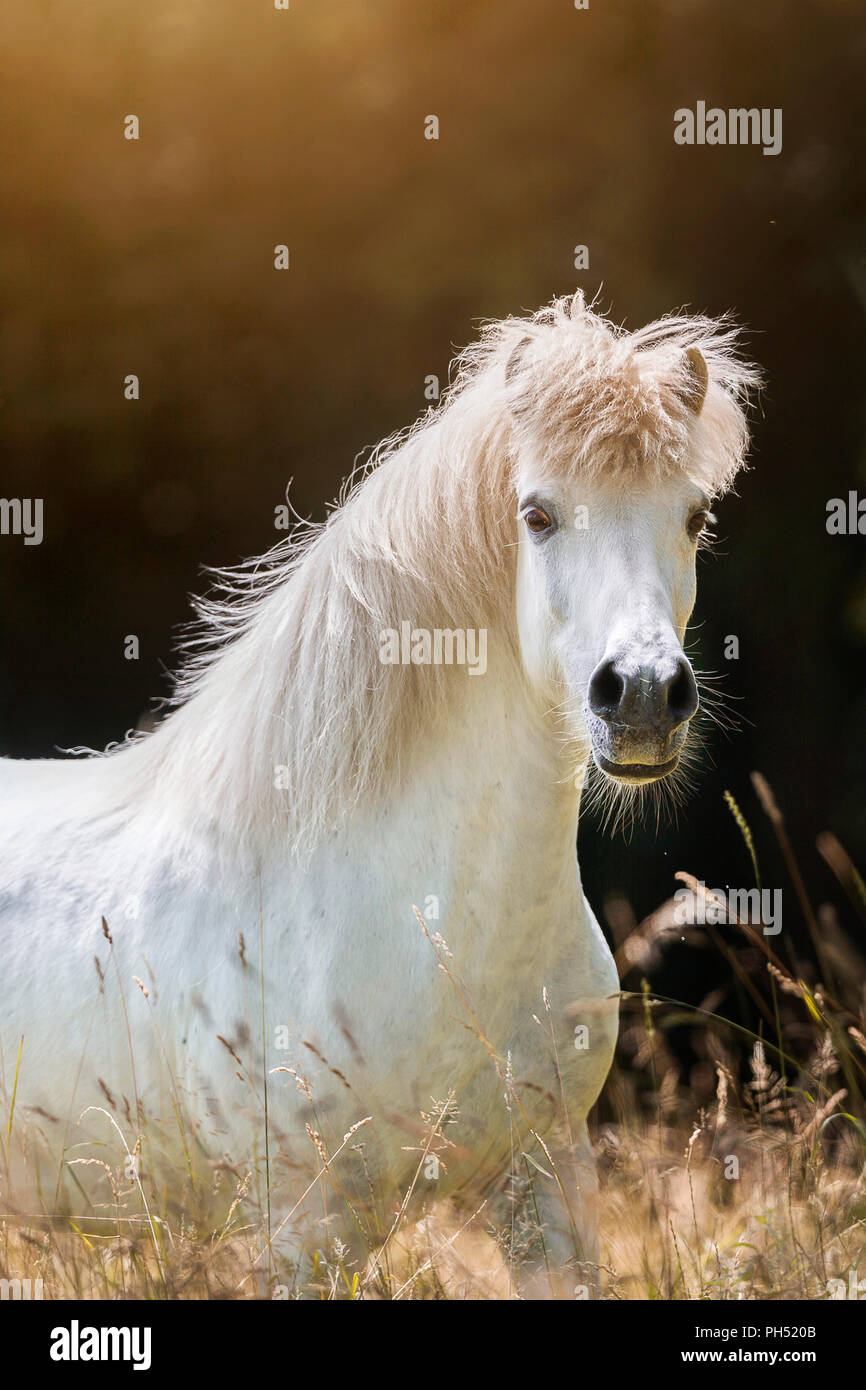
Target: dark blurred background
[{"x": 306, "y": 127}]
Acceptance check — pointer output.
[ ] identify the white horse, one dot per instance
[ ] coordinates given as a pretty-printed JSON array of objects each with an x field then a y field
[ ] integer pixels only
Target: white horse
[{"x": 256, "y": 859}]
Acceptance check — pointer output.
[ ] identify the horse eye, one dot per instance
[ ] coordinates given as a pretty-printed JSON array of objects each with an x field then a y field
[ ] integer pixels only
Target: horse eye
[
  {"x": 698, "y": 523},
  {"x": 537, "y": 520}
]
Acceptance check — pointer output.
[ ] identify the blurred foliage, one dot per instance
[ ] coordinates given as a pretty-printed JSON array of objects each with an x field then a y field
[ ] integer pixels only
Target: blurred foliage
[{"x": 306, "y": 127}]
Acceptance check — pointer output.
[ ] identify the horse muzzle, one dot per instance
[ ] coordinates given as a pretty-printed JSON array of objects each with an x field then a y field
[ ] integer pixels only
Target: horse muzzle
[{"x": 638, "y": 714}]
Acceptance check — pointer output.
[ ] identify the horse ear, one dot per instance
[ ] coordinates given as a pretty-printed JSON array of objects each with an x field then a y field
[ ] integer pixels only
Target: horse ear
[
  {"x": 515, "y": 360},
  {"x": 512, "y": 371},
  {"x": 697, "y": 379}
]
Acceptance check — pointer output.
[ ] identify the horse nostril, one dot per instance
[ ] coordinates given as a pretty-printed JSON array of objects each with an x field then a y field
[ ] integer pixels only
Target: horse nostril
[
  {"x": 647, "y": 699},
  {"x": 606, "y": 689},
  {"x": 682, "y": 694}
]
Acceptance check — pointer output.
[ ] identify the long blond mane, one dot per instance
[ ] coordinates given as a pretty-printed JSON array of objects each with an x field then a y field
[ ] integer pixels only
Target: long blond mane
[{"x": 285, "y": 717}]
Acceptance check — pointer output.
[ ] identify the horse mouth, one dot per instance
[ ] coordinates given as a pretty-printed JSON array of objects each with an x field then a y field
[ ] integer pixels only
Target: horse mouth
[{"x": 636, "y": 772}]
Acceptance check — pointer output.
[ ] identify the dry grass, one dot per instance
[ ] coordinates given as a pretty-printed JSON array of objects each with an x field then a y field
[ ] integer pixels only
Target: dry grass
[{"x": 745, "y": 1179}]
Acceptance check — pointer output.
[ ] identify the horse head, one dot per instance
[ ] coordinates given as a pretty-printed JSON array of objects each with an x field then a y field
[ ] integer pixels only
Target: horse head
[{"x": 620, "y": 443}]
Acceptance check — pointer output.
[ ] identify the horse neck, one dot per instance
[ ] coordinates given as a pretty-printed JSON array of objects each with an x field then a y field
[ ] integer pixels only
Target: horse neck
[
  {"x": 482, "y": 762},
  {"x": 497, "y": 779}
]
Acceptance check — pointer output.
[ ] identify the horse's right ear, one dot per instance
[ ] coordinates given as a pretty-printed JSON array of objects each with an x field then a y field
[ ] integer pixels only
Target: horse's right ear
[
  {"x": 697, "y": 378},
  {"x": 513, "y": 366}
]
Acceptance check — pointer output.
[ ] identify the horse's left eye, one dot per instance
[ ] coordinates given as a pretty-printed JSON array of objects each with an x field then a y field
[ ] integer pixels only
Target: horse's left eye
[
  {"x": 698, "y": 523},
  {"x": 537, "y": 520}
]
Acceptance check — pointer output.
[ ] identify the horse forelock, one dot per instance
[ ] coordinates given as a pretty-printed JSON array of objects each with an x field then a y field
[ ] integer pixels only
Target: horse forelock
[{"x": 588, "y": 397}]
